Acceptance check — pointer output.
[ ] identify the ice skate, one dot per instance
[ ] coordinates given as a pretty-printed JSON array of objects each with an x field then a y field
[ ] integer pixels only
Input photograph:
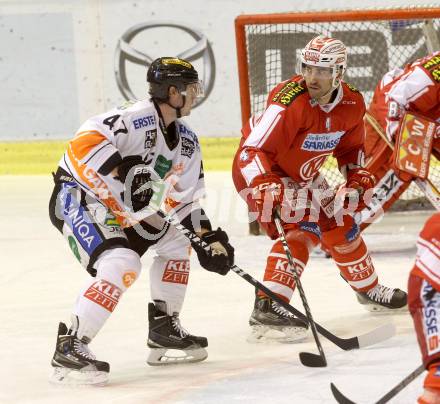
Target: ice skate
[
  {"x": 270, "y": 321},
  {"x": 382, "y": 299},
  {"x": 74, "y": 363},
  {"x": 169, "y": 342}
]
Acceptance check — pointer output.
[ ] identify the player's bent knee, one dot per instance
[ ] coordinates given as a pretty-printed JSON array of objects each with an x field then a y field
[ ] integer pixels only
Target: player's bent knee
[
  {"x": 305, "y": 235},
  {"x": 301, "y": 242},
  {"x": 342, "y": 241},
  {"x": 120, "y": 266}
]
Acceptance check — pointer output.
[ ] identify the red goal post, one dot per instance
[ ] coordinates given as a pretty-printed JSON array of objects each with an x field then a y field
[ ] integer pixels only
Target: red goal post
[{"x": 376, "y": 40}]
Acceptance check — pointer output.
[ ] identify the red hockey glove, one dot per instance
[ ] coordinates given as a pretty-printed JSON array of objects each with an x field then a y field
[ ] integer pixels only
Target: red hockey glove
[
  {"x": 358, "y": 182},
  {"x": 360, "y": 179},
  {"x": 267, "y": 191}
]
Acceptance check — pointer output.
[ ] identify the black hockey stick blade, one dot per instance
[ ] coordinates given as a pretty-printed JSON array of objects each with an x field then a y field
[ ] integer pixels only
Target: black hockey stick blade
[
  {"x": 339, "y": 397},
  {"x": 312, "y": 360}
]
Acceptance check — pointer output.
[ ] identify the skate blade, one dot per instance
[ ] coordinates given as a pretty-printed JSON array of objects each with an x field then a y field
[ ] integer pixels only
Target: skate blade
[
  {"x": 165, "y": 357},
  {"x": 72, "y": 377},
  {"x": 378, "y": 309},
  {"x": 284, "y": 335}
]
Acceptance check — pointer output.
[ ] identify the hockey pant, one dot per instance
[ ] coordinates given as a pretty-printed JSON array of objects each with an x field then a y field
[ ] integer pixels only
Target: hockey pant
[{"x": 112, "y": 256}]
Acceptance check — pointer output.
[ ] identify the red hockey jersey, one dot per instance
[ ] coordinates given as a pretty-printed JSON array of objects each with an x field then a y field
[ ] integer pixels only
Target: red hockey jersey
[
  {"x": 295, "y": 135},
  {"x": 415, "y": 89},
  {"x": 427, "y": 263}
]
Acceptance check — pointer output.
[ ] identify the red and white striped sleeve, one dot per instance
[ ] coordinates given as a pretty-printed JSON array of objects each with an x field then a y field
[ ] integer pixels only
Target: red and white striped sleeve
[{"x": 264, "y": 142}]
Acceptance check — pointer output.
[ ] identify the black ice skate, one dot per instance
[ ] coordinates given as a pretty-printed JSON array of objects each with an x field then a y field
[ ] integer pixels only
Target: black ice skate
[
  {"x": 74, "y": 363},
  {"x": 383, "y": 299},
  {"x": 271, "y": 321},
  {"x": 166, "y": 336}
]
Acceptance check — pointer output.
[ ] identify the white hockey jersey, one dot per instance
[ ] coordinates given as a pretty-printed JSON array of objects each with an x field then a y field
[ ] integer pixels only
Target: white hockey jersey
[{"x": 134, "y": 129}]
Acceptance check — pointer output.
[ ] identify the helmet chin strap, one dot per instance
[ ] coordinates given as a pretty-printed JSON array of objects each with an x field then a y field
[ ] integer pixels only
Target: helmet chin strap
[{"x": 178, "y": 109}]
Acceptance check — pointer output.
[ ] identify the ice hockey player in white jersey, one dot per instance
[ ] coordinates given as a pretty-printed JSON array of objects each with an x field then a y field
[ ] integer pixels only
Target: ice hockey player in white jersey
[{"x": 119, "y": 167}]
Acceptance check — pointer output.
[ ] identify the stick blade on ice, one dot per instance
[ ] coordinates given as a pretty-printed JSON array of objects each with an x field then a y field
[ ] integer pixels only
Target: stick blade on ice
[
  {"x": 312, "y": 360},
  {"x": 377, "y": 335},
  {"x": 340, "y": 398}
]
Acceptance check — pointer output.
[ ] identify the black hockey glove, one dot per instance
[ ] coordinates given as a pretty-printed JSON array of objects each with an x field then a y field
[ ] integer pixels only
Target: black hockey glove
[
  {"x": 221, "y": 257},
  {"x": 134, "y": 174}
]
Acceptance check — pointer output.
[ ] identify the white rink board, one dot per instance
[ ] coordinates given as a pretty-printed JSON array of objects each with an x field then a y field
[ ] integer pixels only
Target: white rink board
[{"x": 40, "y": 279}]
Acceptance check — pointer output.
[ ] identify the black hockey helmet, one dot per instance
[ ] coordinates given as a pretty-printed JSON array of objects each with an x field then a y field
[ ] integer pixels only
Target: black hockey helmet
[{"x": 165, "y": 72}]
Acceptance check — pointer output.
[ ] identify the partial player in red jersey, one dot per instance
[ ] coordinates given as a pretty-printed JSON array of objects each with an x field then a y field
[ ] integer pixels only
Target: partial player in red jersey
[
  {"x": 403, "y": 97},
  {"x": 424, "y": 305},
  {"x": 307, "y": 118}
]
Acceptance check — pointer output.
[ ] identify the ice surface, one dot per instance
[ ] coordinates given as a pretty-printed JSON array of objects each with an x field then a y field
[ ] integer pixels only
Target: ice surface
[{"x": 40, "y": 280}]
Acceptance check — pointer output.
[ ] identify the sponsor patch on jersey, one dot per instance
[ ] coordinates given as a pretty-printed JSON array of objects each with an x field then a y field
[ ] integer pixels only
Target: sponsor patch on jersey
[
  {"x": 111, "y": 221},
  {"x": 311, "y": 167},
  {"x": 288, "y": 93},
  {"x": 322, "y": 141},
  {"x": 433, "y": 67},
  {"x": 431, "y": 318},
  {"x": 352, "y": 88},
  {"x": 144, "y": 122},
  {"x": 104, "y": 293},
  {"x": 150, "y": 138},
  {"x": 188, "y": 147},
  {"x": 176, "y": 271},
  {"x": 162, "y": 165},
  {"x": 128, "y": 278},
  {"x": 185, "y": 132}
]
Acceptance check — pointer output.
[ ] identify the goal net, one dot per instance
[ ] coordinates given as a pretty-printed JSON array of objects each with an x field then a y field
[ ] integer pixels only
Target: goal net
[{"x": 377, "y": 41}]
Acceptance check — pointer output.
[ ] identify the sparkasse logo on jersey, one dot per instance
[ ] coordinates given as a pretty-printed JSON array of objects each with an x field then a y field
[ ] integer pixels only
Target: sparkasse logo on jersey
[{"x": 322, "y": 141}]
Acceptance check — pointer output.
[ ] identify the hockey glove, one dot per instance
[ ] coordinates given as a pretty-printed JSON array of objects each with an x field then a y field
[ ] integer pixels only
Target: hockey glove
[
  {"x": 136, "y": 177},
  {"x": 267, "y": 191},
  {"x": 358, "y": 182},
  {"x": 221, "y": 257}
]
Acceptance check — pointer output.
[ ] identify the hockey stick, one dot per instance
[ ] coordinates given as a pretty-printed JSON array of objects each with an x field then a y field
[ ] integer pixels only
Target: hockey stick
[
  {"x": 341, "y": 399},
  {"x": 372, "y": 337},
  {"x": 426, "y": 186},
  {"x": 306, "y": 358}
]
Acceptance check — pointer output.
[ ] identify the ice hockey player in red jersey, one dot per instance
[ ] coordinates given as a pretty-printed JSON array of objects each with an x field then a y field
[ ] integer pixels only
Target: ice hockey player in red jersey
[
  {"x": 110, "y": 180},
  {"x": 307, "y": 118},
  {"x": 424, "y": 305},
  {"x": 412, "y": 90}
]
